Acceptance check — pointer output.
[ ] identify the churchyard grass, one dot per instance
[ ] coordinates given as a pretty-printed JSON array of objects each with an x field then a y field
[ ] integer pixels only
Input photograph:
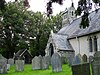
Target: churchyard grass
[{"x": 28, "y": 71}]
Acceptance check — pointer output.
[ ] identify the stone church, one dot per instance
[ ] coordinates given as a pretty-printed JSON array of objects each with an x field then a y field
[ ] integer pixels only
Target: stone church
[{"x": 71, "y": 39}]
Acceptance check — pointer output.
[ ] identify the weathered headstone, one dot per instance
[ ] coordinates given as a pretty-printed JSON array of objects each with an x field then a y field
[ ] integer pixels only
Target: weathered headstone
[
  {"x": 90, "y": 59},
  {"x": 63, "y": 60},
  {"x": 81, "y": 69},
  {"x": 3, "y": 64},
  {"x": 19, "y": 65},
  {"x": 84, "y": 57},
  {"x": 56, "y": 62},
  {"x": 44, "y": 64},
  {"x": 40, "y": 58},
  {"x": 70, "y": 61},
  {"x": 48, "y": 59},
  {"x": 8, "y": 66},
  {"x": 70, "y": 56},
  {"x": 36, "y": 63},
  {"x": 96, "y": 64},
  {"x": 77, "y": 60},
  {"x": 11, "y": 61}
]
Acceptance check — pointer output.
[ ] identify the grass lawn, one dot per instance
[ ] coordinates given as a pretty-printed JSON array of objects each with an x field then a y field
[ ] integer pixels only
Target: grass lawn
[{"x": 28, "y": 71}]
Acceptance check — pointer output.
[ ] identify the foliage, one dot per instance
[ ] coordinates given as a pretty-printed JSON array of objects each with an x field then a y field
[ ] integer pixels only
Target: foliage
[
  {"x": 2, "y": 4},
  {"x": 28, "y": 71},
  {"x": 23, "y": 29},
  {"x": 84, "y": 6},
  {"x": 11, "y": 26},
  {"x": 42, "y": 27}
]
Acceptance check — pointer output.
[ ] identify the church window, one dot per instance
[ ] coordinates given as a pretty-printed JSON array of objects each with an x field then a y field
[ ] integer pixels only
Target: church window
[
  {"x": 51, "y": 48},
  {"x": 72, "y": 13},
  {"x": 95, "y": 43},
  {"x": 90, "y": 44}
]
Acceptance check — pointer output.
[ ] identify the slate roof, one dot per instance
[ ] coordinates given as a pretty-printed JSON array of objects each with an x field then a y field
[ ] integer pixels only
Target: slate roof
[
  {"x": 73, "y": 30},
  {"x": 61, "y": 42}
]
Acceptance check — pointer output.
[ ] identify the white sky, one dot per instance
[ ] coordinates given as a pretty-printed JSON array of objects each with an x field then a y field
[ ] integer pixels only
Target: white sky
[{"x": 40, "y": 5}]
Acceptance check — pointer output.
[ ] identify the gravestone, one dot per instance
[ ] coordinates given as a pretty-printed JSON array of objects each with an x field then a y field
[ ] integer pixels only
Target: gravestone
[
  {"x": 84, "y": 57},
  {"x": 96, "y": 64},
  {"x": 63, "y": 60},
  {"x": 90, "y": 59},
  {"x": 48, "y": 59},
  {"x": 56, "y": 62},
  {"x": 77, "y": 60},
  {"x": 19, "y": 65},
  {"x": 45, "y": 64},
  {"x": 40, "y": 58},
  {"x": 70, "y": 56},
  {"x": 81, "y": 69},
  {"x": 8, "y": 66},
  {"x": 36, "y": 63},
  {"x": 11, "y": 61},
  {"x": 70, "y": 61},
  {"x": 3, "y": 64}
]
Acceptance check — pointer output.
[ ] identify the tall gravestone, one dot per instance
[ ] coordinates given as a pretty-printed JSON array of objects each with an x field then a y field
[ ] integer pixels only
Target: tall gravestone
[
  {"x": 70, "y": 61},
  {"x": 36, "y": 63},
  {"x": 81, "y": 69},
  {"x": 77, "y": 60},
  {"x": 56, "y": 62},
  {"x": 96, "y": 64},
  {"x": 40, "y": 58},
  {"x": 3, "y": 64},
  {"x": 48, "y": 59},
  {"x": 90, "y": 59},
  {"x": 45, "y": 64},
  {"x": 84, "y": 57},
  {"x": 70, "y": 57},
  {"x": 19, "y": 65}
]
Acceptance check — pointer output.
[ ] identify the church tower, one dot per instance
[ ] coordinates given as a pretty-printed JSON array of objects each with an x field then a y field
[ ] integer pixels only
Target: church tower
[
  {"x": 68, "y": 15},
  {"x": 71, "y": 13}
]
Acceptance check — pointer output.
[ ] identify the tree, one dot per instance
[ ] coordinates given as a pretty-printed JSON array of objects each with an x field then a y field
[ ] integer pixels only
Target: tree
[
  {"x": 23, "y": 29},
  {"x": 40, "y": 29},
  {"x": 12, "y": 28}
]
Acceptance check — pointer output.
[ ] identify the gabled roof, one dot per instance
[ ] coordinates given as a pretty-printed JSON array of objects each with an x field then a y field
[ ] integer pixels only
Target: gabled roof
[
  {"x": 73, "y": 30},
  {"x": 21, "y": 52},
  {"x": 61, "y": 42}
]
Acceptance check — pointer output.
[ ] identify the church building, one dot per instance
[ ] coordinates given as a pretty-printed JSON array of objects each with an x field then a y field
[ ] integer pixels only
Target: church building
[{"x": 71, "y": 39}]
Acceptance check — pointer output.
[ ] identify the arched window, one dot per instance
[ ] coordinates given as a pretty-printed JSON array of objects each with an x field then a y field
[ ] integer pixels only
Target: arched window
[
  {"x": 51, "y": 48},
  {"x": 90, "y": 45},
  {"x": 72, "y": 13},
  {"x": 95, "y": 43}
]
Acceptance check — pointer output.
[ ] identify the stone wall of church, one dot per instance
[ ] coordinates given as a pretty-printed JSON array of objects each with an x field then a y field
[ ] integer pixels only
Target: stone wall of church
[
  {"x": 98, "y": 36},
  {"x": 81, "y": 44}
]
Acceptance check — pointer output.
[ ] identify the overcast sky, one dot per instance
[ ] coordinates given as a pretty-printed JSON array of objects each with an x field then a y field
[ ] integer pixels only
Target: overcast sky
[{"x": 40, "y": 5}]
